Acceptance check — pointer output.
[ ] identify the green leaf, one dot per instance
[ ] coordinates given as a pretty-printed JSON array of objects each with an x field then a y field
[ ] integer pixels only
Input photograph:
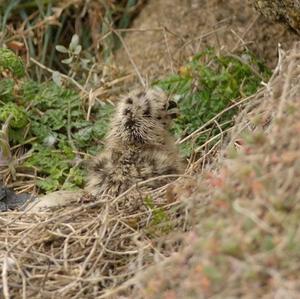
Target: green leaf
[
  {"x": 61, "y": 49},
  {"x": 68, "y": 60},
  {"x": 83, "y": 136},
  {"x": 48, "y": 184},
  {"x": 54, "y": 119},
  {"x": 74, "y": 42},
  {"x": 56, "y": 77},
  {"x": 212, "y": 273},
  {"x": 77, "y": 50},
  {"x": 6, "y": 89}
]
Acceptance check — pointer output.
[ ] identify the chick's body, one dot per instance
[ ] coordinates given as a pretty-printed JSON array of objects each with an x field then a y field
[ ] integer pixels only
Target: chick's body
[{"x": 138, "y": 146}]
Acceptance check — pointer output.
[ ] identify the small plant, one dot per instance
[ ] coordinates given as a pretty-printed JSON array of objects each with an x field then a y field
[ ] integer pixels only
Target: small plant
[
  {"x": 5, "y": 151},
  {"x": 9, "y": 61},
  {"x": 207, "y": 85},
  {"x": 37, "y": 27},
  {"x": 160, "y": 221},
  {"x": 74, "y": 59},
  {"x": 19, "y": 117},
  {"x": 51, "y": 123}
]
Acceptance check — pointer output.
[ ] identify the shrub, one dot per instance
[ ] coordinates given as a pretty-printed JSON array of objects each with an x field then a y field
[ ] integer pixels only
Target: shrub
[
  {"x": 51, "y": 123},
  {"x": 207, "y": 85}
]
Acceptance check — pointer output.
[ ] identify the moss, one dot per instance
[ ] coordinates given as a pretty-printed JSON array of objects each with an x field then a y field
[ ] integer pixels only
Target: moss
[
  {"x": 6, "y": 90},
  {"x": 10, "y": 61},
  {"x": 19, "y": 117}
]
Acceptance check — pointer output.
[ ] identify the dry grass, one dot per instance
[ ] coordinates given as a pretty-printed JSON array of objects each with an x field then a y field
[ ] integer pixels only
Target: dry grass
[
  {"x": 240, "y": 217},
  {"x": 84, "y": 250}
]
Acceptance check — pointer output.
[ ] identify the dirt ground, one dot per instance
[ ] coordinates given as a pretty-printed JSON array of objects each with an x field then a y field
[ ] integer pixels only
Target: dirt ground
[{"x": 167, "y": 32}]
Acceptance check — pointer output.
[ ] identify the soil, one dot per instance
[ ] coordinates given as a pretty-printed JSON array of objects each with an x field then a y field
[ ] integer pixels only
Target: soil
[{"x": 167, "y": 32}]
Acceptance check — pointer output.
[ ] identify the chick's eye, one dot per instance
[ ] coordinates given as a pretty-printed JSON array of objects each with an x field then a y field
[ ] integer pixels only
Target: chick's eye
[
  {"x": 129, "y": 101},
  {"x": 147, "y": 112},
  {"x": 141, "y": 94},
  {"x": 172, "y": 105},
  {"x": 174, "y": 115},
  {"x": 126, "y": 111}
]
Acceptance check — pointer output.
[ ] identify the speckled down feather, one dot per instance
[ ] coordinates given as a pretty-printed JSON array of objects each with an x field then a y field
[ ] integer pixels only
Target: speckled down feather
[{"x": 138, "y": 146}]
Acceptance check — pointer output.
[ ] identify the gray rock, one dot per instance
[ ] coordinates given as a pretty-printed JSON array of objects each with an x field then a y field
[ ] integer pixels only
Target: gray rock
[
  {"x": 284, "y": 11},
  {"x": 9, "y": 200}
]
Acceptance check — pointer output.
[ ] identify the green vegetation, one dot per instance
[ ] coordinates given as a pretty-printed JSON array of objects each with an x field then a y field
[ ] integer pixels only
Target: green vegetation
[
  {"x": 51, "y": 122},
  {"x": 160, "y": 223},
  {"x": 9, "y": 61},
  {"x": 44, "y": 24},
  {"x": 207, "y": 85}
]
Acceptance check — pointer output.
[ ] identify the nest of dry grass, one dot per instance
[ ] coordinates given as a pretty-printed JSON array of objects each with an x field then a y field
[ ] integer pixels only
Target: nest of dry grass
[
  {"x": 87, "y": 249},
  {"x": 240, "y": 215}
]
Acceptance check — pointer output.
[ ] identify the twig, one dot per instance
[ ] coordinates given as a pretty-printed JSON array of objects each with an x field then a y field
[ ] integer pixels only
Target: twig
[
  {"x": 130, "y": 58},
  {"x": 169, "y": 51},
  {"x": 62, "y": 75},
  {"x": 71, "y": 142},
  {"x": 261, "y": 224},
  {"x": 197, "y": 150},
  {"x": 240, "y": 38},
  {"x": 247, "y": 64},
  {"x": 148, "y": 181},
  {"x": 4, "y": 277},
  {"x": 196, "y": 132}
]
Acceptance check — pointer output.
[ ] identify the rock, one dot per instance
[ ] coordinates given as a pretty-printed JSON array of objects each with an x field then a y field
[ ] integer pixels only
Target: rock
[
  {"x": 284, "y": 11},
  {"x": 9, "y": 200},
  {"x": 54, "y": 200}
]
